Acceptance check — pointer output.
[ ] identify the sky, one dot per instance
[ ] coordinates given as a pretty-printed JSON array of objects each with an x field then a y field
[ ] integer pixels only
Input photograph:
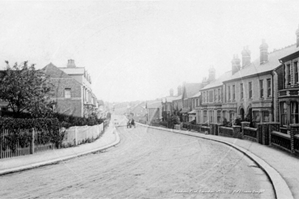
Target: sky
[{"x": 139, "y": 50}]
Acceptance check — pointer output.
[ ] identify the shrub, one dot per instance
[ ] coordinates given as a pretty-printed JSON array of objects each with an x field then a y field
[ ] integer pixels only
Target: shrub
[{"x": 19, "y": 130}]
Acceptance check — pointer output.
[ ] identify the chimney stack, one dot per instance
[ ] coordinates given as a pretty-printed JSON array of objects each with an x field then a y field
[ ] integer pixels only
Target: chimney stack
[
  {"x": 71, "y": 63},
  {"x": 171, "y": 92},
  {"x": 179, "y": 90},
  {"x": 263, "y": 52},
  {"x": 211, "y": 74},
  {"x": 246, "y": 57},
  {"x": 236, "y": 66}
]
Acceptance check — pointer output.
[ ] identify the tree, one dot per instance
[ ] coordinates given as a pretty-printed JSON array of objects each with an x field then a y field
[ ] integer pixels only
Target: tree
[{"x": 26, "y": 90}]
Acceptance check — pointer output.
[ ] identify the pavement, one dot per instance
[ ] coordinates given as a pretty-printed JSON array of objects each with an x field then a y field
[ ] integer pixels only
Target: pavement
[
  {"x": 281, "y": 167},
  {"x": 15, "y": 164}
]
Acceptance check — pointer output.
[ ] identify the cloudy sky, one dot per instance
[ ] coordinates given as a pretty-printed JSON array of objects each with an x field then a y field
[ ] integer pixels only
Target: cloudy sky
[{"x": 138, "y": 50}]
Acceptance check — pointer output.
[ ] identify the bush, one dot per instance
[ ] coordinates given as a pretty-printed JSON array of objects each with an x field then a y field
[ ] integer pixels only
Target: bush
[
  {"x": 68, "y": 121},
  {"x": 49, "y": 128}
]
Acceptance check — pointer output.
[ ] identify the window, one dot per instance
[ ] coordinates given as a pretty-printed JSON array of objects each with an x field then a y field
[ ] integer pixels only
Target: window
[
  {"x": 265, "y": 115},
  {"x": 231, "y": 116},
  {"x": 294, "y": 113},
  {"x": 204, "y": 116},
  {"x": 283, "y": 111},
  {"x": 261, "y": 86},
  {"x": 233, "y": 92},
  {"x": 219, "y": 93},
  {"x": 211, "y": 114},
  {"x": 250, "y": 90},
  {"x": 288, "y": 73},
  {"x": 211, "y": 96},
  {"x": 67, "y": 93},
  {"x": 229, "y": 93},
  {"x": 242, "y": 91},
  {"x": 216, "y": 94},
  {"x": 296, "y": 72},
  {"x": 219, "y": 116},
  {"x": 269, "y": 87}
]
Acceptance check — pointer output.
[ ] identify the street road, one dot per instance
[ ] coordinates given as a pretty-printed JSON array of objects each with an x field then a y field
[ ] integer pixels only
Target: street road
[{"x": 147, "y": 163}]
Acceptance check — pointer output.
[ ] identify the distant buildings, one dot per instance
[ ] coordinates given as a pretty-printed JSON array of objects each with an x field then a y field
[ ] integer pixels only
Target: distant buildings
[
  {"x": 263, "y": 90},
  {"x": 73, "y": 94}
]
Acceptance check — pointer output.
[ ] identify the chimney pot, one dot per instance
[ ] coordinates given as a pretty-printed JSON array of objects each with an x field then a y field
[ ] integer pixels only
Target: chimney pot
[
  {"x": 235, "y": 64},
  {"x": 263, "y": 52},
  {"x": 71, "y": 63}
]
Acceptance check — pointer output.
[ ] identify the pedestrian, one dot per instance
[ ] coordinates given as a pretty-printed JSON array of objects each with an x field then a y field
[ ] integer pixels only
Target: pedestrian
[{"x": 132, "y": 123}]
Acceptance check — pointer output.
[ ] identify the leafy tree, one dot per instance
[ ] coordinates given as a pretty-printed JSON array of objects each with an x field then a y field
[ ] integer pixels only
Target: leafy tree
[{"x": 26, "y": 90}]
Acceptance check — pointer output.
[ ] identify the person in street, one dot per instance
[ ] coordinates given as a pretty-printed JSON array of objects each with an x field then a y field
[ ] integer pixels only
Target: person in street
[{"x": 133, "y": 123}]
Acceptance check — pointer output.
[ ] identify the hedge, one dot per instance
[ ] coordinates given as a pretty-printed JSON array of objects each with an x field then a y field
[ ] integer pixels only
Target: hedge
[{"x": 48, "y": 128}]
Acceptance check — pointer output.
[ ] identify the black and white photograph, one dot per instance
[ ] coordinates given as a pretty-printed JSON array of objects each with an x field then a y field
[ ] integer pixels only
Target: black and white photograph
[{"x": 149, "y": 99}]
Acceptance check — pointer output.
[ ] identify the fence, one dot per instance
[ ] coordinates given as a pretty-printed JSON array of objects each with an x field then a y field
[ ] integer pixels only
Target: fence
[
  {"x": 281, "y": 140},
  {"x": 225, "y": 131},
  {"x": 30, "y": 141},
  {"x": 288, "y": 142},
  {"x": 81, "y": 134},
  {"x": 27, "y": 142}
]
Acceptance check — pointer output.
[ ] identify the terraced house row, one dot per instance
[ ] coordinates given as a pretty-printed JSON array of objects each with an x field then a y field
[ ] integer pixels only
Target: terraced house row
[{"x": 263, "y": 90}]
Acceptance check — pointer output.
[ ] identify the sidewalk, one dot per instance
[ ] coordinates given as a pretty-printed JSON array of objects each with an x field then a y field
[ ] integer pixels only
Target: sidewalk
[
  {"x": 19, "y": 163},
  {"x": 281, "y": 167}
]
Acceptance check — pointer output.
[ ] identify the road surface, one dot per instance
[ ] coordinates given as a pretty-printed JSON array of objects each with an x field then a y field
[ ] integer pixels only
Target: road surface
[{"x": 147, "y": 163}]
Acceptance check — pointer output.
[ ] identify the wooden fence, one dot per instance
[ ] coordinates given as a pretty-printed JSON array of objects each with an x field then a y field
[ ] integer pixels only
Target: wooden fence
[{"x": 30, "y": 141}]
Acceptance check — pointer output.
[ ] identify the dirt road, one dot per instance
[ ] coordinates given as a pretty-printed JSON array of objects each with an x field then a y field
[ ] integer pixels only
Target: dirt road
[{"x": 147, "y": 163}]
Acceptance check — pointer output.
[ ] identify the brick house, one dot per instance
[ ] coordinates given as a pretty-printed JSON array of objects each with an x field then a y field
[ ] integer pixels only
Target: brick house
[
  {"x": 72, "y": 92},
  {"x": 249, "y": 91},
  {"x": 212, "y": 96},
  {"x": 286, "y": 76}
]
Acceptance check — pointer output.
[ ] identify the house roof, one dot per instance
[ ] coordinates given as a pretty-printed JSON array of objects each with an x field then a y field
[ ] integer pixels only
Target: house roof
[
  {"x": 273, "y": 62},
  {"x": 197, "y": 95},
  {"x": 190, "y": 89},
  {"x": 219, "y": 81},
  {"x": 54, "y": 72},
  {"x": 172, "y": 98}
]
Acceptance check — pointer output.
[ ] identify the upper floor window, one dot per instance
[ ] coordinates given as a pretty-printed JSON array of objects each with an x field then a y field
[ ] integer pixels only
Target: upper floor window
[
  {"x": 67, "y": 93},
  {"x": 216, "y": 94},
  {"x": 233, "y": 92},
  {"x": 242, "y": 91},
  {"x": 229, "y": 94},
  {"x": 250, "y": 90},
  {"x": 219, "y": 94},
  {"x": 269, "y": 87},
  {"x": 296, "y": 72},
  {"x": 261, "y": 88},
  {"x": 288, "y": 74},
  {"x": 211, "y": 96}
]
